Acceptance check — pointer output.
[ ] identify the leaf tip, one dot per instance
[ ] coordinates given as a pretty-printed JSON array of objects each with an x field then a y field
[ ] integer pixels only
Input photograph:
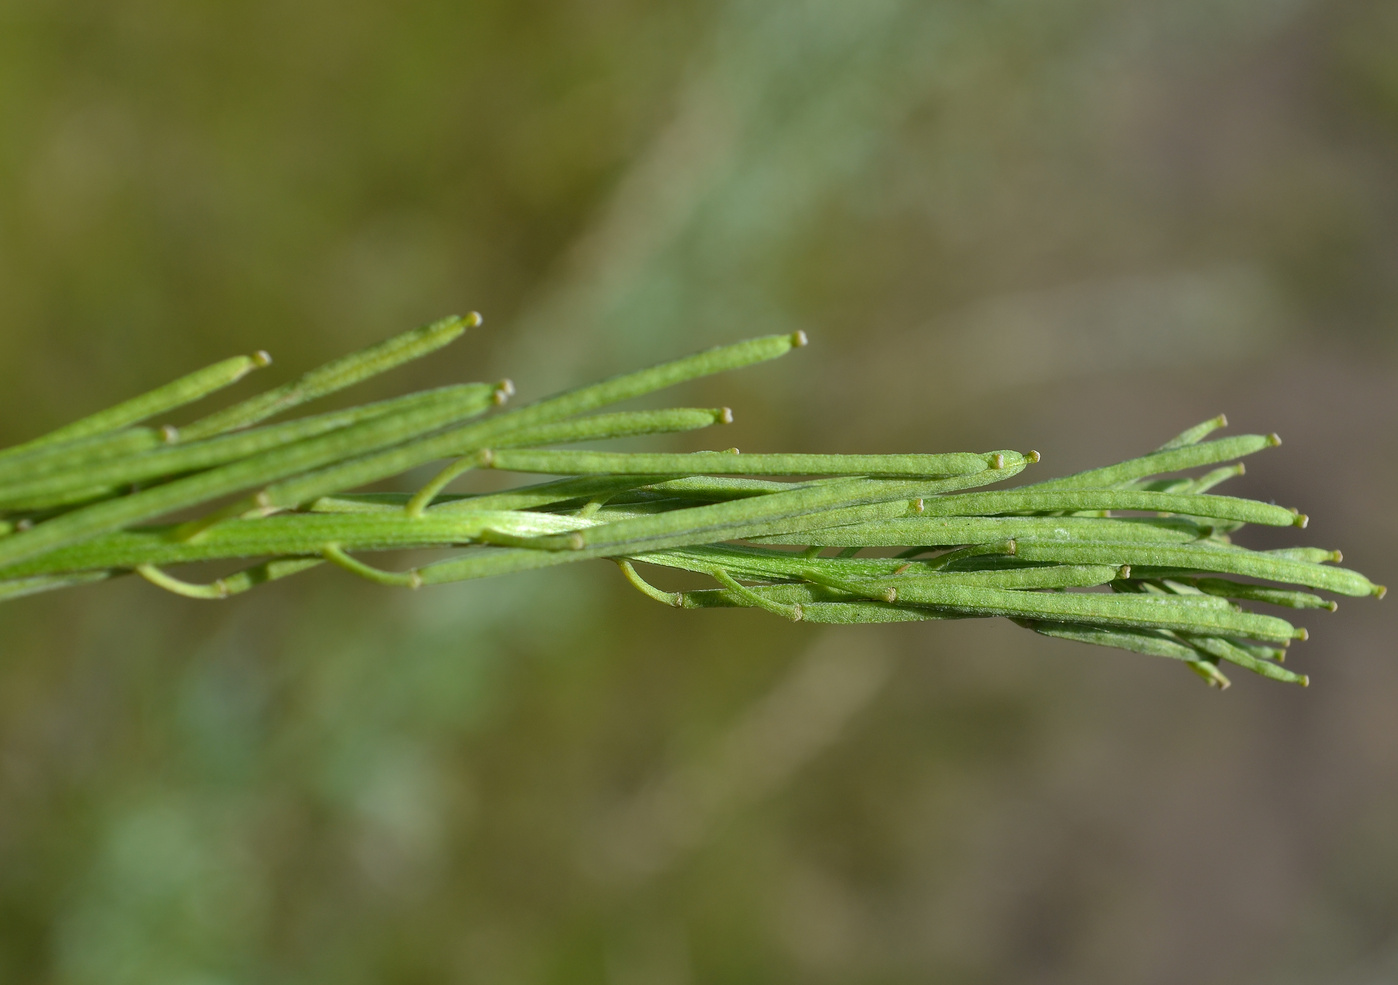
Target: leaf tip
[
  {"x": 1273, "y": 440},
  {"x": 261, "y": 359},
  {"x": 799, "y": 340}
]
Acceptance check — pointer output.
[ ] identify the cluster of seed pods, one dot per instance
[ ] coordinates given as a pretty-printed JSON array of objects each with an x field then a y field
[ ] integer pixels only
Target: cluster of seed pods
[{"x": 1137, "y": 555}]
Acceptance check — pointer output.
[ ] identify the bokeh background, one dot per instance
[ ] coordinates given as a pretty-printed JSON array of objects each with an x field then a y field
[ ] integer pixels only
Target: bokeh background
[{"x": 1078, "y": 226}]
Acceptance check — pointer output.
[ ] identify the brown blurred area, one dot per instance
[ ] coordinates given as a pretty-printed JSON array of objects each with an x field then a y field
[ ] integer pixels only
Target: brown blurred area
[{"x": 1078, "y": 227}]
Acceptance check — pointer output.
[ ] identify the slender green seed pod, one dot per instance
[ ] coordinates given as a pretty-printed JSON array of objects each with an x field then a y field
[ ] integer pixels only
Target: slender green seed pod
[
  {"x": 185, "y": 390},
  {"x": 1129, "y": 611},
  {"x": 950, "y": 531},
  {"x": 1169, "y": 460},
  {"x": 1038, "y": 499},
  {"x": 363, "y": 503},
  {"x": 1213, "y": 478},
  {"x": 1196, "y": 434},
  {"x": 1161, "y": 560},
  {"x": 633, "y": 463},
  {"x": 1050, "y": 576},
  {"x": 1224, "y": 588},
  {"x": 1312, "y": 555},
  {"x": 631, "y": 385},
  {"x": 718, "y": 487},
  {"x": 334, "y": 376},
  {"x": 1260, "y": 652},
  {"x": 625, "y": 424}
]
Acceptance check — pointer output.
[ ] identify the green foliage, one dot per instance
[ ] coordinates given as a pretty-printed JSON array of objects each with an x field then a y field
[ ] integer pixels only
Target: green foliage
[{"x": 78, "y": 504}]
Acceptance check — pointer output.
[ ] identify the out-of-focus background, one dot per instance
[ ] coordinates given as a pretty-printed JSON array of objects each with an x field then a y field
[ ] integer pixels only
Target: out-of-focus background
[{"x": 1077, "y": 227}]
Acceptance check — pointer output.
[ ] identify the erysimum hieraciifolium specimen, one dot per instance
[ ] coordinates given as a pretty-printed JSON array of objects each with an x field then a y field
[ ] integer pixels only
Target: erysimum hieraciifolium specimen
[{"x": 1137, "y": 555}]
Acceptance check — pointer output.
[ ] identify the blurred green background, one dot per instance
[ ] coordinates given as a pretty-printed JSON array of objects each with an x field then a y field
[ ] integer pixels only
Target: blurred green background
[{"x": 1078, "y": 227}]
